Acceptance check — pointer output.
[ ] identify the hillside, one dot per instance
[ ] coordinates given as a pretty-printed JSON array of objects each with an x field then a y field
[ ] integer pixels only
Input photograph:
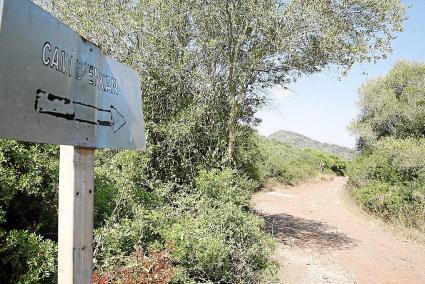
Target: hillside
[{"x": 301, "y": 141}]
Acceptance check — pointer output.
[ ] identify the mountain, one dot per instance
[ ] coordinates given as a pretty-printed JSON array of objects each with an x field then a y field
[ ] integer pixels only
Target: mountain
[{"x": 302, "y": 142}]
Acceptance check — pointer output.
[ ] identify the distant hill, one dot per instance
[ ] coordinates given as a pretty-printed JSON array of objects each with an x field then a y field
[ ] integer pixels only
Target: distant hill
[{"x": 302, "y": 142}]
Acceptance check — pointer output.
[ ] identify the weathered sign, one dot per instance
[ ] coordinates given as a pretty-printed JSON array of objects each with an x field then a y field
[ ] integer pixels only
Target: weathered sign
[{"x": 57, "y": 88}]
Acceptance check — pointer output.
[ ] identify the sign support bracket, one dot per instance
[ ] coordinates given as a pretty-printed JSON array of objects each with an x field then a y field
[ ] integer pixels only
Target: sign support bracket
[{"x": 76, "y": 198}]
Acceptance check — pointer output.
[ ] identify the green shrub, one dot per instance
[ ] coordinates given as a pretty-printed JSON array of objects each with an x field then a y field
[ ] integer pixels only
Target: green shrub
[
  {"x": 28, "y": 185},
  {"x": 121, "y": 184},
  {"x": 207, "y": 225},
  {"x": 225, "y": 186},
  {"x": 292, "y": 166},
  {"x": 28, "y": 212},
  {"x": 27, "y": 258},
  {"x": 208, "y": 228},
  {"x": 388, "y": 180},
  {"x": 393, "y": 202},
  {"x": 221, "y": 244},
  {"x": 215, "y": 237},
  {"x": 392, "y": 105},
  {"x": 330, "y": 162}
]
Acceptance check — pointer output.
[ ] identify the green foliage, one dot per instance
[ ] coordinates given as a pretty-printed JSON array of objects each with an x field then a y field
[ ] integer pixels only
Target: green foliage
[
  {"x": 220, "y": 244},
  {"x": 225, "y": 187},
  {"x": 120, "y": 237},
  {"x": 215, "y": 237},
  {"x": 202, "y": 66},
  {"x": 131, "y": 212},
  {"x": 392, "y": 105},
  {"x": 209, "y": 229},
  {"x": 292, "y": 166},
  {"x": 389, "y": 180},
  {"x": 28, "y": 183},
  {"x": 213, "y": 58},
  {"x": 28, "y": 212},
  {"x": 27, "y": 258},
  {"x": 329, "y": 162}
]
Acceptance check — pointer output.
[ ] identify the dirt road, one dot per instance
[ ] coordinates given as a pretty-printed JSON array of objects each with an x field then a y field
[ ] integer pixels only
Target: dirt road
[{"x": 323, "y": 240}]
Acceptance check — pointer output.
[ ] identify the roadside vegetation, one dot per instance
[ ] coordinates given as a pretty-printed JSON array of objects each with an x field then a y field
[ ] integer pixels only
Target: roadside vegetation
[
  {"x": 388, "y": 177},
  {"x": 184, "y": 233},
  {"x": 288, "y": 165},
  {"x": 179, "y": 212}
]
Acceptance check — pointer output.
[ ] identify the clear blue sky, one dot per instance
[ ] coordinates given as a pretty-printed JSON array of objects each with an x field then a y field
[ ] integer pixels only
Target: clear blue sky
[{"x": 321, "y": 106}]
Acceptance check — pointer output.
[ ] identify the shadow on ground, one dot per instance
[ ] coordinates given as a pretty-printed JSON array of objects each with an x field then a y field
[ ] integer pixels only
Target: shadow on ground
[{"x": 305, "y": 233}]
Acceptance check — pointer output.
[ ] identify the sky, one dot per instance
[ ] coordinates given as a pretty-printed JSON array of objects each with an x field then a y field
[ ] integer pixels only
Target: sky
[{"x": 321, "y": 107}]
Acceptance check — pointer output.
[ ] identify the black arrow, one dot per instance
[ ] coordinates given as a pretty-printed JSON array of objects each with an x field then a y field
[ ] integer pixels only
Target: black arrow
[{"x": 51, "y": 104}]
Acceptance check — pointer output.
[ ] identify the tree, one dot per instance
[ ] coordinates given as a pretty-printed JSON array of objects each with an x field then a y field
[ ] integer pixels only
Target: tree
[
  {"x": 388, "y": 176},
  {"x": 392, "y": 105},
  {"x": 253, "y": 44},
  {"x": 213, "y": 58}
]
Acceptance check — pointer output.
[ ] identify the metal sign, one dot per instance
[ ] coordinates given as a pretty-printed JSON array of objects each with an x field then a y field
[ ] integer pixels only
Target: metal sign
[{"x": 57, "y": 88}]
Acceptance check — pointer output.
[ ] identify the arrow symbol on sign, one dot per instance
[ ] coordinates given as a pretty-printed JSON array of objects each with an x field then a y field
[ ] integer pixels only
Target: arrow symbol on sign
[{"x": 53, "y": 105}]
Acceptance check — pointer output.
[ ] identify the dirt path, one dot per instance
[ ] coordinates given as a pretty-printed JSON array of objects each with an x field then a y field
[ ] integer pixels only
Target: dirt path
[{"x": 323, "y": 240}]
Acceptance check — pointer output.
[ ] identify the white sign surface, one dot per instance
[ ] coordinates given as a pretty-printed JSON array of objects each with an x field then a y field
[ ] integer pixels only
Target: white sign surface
[{"x": 57, "y": 88}]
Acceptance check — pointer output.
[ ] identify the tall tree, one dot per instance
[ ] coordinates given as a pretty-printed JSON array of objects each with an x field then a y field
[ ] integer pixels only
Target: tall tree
[
  {"x": 392, "y": 105},
  {"x": 253, "y": 44},
  {"x": 213, "y": 58}
]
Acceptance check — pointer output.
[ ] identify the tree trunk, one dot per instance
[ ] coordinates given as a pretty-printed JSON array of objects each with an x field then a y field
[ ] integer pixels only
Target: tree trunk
[
  {"x": 232, "y": 125},
  {"x": 232, "y": 89}
]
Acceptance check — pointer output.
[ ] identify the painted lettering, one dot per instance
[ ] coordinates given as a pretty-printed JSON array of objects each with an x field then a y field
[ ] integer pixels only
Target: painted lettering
[
  {"x": 45, "y": 57},
  {"x": 107, "y": 83},
  {"x": 55, "y": 59},
  {"x": 62, "y": 62},
  {"x": 59, "y": 59},
  {"x": 114, "y": 86},
  {"x": 71, "y": 59},
  {"x": 92, "y": 75}
]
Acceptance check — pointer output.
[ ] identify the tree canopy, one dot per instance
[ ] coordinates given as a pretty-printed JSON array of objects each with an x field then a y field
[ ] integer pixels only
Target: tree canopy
[
  {"x": 216, "y": 56},
  {"x": 392, "y": 105},
  {"x": 388, "y": 176}
]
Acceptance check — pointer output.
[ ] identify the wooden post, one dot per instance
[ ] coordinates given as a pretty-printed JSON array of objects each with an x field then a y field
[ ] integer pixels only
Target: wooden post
[{"x": 75, "y": 239}]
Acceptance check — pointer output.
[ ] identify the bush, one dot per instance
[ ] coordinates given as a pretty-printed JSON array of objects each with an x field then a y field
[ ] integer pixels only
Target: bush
[
  {"x": 215, "y": 237},
  {"x": 27, "y": 258},
  {"x": 392, "y": 105},
  {"x": 329, "y": 162},
  {"x": 120, "y": 237},
  {"x": 199, "y": 232},
  {"x": 28, "y": 212},
  {"x": 293, "y": 166},
  {"x": 208, "y": 228},
  {"x": 389, "y": 180},
  {"x": 225, "y": 186},
  {"x": 29, "y": 175},
  {"x": 220, "y": 244}
]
